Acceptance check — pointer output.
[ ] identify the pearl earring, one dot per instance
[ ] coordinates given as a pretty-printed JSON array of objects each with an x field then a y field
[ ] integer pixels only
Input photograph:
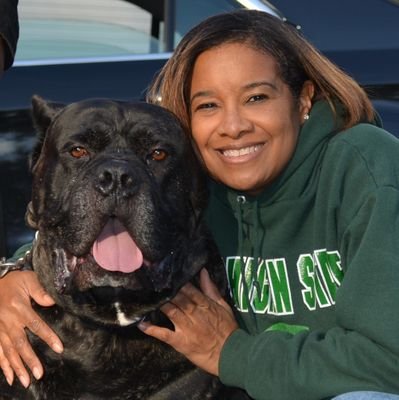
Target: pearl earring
[{"x": 306, "y": 117}]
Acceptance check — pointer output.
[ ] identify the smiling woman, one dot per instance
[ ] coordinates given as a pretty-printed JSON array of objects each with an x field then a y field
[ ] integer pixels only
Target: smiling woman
[
  {"x": 303, "y": 184},
  {"x": 244, "y": 119}
]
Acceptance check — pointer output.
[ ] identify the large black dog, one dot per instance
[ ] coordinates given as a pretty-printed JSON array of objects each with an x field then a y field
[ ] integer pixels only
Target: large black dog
[{"x": 118, "y": 200}]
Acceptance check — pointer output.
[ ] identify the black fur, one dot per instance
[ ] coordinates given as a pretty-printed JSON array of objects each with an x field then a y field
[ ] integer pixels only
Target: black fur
[{"x": 137, "y": 166}]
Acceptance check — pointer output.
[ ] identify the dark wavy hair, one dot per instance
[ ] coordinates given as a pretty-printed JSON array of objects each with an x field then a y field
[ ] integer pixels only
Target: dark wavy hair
[{"x": 297, "y": 61}]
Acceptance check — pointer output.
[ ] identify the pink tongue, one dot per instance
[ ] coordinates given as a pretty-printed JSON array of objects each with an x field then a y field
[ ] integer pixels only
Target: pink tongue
[{"x": 115, "y": 250}]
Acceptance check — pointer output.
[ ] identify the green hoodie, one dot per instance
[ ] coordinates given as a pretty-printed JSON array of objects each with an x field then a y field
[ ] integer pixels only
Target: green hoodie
[{"x": 313, "y": 270}]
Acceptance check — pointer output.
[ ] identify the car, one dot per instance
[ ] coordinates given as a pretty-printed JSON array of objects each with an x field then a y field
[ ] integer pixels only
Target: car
[{"x": 70, "y": 50}]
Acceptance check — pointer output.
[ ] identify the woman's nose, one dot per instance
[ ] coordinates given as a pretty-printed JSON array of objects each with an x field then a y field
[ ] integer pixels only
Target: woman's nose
[{"x": 234, "y": 123}]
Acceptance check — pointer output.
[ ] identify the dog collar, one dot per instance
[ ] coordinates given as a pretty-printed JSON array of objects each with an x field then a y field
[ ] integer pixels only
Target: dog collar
[{"x": 23, "y": 263}]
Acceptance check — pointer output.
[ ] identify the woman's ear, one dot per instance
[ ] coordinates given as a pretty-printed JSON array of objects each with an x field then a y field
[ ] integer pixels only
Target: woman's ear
[{"x": 305, "y": 99}]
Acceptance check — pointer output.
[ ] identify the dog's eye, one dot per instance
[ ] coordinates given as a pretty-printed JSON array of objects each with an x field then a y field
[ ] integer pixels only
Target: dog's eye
[
  {"x": 79, "y": 152},
  {"x": 159, "y": 155}
]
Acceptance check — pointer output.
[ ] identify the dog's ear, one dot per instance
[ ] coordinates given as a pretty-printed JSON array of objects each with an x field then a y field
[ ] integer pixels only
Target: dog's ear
[{"x": 43, "y": 112}]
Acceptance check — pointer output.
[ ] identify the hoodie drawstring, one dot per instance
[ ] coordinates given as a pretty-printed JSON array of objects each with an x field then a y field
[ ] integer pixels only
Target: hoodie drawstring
[
  {"x": 240, "y": 201},
  {"x": 254, "y": 272}
]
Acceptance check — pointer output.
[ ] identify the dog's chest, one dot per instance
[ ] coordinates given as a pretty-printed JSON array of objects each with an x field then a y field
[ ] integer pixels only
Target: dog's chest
[{"x": 105, "y": 364}]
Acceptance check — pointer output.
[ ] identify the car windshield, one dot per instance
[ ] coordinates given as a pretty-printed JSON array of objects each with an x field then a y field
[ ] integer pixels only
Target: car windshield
[
  {"x": 61, "y": 29},
  {"x": 72, "y": 29}
]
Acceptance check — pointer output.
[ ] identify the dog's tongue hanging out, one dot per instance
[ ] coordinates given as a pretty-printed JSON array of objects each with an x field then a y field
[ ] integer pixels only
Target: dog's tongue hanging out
[{"x": 115, "y": 250}]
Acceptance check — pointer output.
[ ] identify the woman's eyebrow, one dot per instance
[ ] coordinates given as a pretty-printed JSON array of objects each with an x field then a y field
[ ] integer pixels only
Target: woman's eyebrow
[
  {"x": 201, "y": 93},
  {"x": 254, "y": 85}
]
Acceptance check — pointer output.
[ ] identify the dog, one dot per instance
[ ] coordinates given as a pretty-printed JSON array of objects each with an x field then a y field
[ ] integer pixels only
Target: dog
[{"x": 118, "y": 201}]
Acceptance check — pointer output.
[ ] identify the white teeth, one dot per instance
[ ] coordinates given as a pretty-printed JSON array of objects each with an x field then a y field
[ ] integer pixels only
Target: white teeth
[{"x": 241, "y": 152}]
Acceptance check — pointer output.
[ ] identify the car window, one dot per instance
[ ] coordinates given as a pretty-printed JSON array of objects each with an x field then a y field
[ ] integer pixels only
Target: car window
[
  {"x": 61, "y": 29},
  {"x": 91, "y": 28}
]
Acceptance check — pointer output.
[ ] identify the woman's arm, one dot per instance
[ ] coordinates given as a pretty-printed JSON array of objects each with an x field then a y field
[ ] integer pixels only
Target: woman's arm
[{"x": 16, "y": 291}]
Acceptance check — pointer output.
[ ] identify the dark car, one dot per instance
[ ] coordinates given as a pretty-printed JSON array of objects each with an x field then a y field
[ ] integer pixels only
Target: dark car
[
  {"x": 73, "y": 50},
  {"x": 70, "y": 50}
]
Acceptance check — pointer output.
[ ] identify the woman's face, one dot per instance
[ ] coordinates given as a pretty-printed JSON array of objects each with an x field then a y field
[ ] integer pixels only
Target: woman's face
[{"x": 244, "y": 118}]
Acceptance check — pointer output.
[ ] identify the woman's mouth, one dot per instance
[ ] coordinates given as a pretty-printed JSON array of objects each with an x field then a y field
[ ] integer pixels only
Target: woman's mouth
[{"x": 241, "y": 152}]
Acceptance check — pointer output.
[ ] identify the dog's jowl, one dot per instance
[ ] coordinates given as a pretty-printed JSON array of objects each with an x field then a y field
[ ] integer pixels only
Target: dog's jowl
[{"x": 117, "y": 200}]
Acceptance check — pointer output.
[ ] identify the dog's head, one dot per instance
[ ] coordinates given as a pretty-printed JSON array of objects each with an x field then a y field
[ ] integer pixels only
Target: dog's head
[{"x": 117, "y": 199}]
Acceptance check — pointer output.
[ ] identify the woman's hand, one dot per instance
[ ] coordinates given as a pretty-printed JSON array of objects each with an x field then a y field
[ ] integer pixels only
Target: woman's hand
[
  {"x": 16, "y": 314},
  {"x": 202, "y": 320}
]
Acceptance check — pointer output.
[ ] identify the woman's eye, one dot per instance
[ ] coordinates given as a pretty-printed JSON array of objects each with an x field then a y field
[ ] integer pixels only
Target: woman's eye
[
  {"x": 158, "y": 155},
  {"x": 79, "y": 152},
  {"x": 205, "y": 106},
  {"x": 257, "y": 97}
]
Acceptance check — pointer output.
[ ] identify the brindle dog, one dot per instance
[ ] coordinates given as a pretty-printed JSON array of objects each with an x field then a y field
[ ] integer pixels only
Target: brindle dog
[{"x": 118, "y": 199}]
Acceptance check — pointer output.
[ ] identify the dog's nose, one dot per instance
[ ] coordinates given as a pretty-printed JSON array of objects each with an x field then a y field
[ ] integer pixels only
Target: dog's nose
[{"x": 115, "y": 176}]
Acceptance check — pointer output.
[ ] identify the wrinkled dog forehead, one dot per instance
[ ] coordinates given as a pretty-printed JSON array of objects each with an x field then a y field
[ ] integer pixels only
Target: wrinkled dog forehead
[
  {"x": 96, "y": 128},
  {"x": 118, "y": 118}
]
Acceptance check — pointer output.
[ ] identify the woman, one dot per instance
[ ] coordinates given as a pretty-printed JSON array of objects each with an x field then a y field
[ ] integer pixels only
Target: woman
[{"x": 304, "y": 204}]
